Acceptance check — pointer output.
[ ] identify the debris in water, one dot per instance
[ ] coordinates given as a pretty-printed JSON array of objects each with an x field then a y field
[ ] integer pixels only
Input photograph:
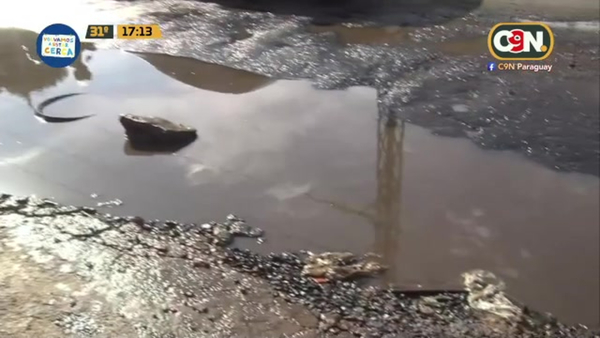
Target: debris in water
[
  {"x": 233, "y": 218},
  {"x": 486, "y": 293},
  {"x": 112, "y": 203},
  {"x": 339, "y": 266},
  {"x": 232, "y": 227},
  {"x": 39, "y": 110},
  {"x": 222, "y": 234},
  {"x": 240, "y": 228}
]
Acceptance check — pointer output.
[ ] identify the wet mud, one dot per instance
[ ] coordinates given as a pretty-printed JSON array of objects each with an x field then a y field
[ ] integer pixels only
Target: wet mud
[{"x": 99, "y": 275}]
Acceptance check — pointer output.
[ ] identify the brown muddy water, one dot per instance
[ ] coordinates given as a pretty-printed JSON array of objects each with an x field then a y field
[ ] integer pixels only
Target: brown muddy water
[
  {"x": 318, "y": 170},
  {"x": 366, "y": 35}
]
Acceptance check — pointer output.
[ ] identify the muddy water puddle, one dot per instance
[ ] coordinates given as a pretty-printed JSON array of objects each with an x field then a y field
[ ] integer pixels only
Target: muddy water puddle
[
  {"x": 366, "y": 35},
  {"x": 396, "y": 36},
  {"x": 317, "y": 170}
]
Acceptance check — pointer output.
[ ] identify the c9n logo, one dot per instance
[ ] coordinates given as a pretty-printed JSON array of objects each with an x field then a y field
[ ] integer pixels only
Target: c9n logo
[{"x": 521, "y": 41}]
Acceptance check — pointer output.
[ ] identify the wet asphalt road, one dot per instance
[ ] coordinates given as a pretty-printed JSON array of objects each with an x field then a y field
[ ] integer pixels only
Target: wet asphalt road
[
  {"x": 421, "y": 73},
  {"x": 551, "y": 118}
]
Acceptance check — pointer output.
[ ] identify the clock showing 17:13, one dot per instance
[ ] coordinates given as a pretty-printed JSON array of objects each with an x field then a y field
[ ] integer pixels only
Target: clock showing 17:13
[{"x": 131, "y": 32}]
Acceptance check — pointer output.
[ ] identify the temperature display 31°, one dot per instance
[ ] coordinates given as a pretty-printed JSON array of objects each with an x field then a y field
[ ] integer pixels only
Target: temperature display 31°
[{"x": 100, "y": 32}]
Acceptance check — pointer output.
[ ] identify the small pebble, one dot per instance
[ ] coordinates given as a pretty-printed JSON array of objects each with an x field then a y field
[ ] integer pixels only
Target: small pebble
[
  {"x": 201, "y": 264},
  {"x": 201, "y": 309}
]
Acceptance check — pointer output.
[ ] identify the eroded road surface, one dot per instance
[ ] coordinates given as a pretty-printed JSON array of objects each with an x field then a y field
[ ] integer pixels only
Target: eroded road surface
[
  {"x": 347, "y": 129},
  {"x": 73, "y": 272}
]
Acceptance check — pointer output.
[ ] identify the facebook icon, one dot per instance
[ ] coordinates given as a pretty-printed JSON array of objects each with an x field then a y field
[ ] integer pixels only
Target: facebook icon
[{"x": 491, "y": 66}]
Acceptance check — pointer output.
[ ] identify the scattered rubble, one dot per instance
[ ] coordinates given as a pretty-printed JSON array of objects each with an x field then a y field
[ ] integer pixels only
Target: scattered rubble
[
  {"x": 486, "y": 293},
  {"x": 330, "y": 266},
  {"x": 233, "y": 226},
  {"x": 112, "y": 203}
]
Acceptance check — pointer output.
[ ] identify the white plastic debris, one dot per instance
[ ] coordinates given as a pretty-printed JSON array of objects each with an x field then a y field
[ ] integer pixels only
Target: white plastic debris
[{"x": 486, "y": 293}]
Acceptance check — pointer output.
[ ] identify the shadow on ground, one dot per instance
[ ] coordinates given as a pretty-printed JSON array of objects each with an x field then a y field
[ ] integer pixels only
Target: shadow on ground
[
  {"x": 378, "y": 12},
  {"x": 381, "y": 12},
  {"x": 147, "y": 147}
]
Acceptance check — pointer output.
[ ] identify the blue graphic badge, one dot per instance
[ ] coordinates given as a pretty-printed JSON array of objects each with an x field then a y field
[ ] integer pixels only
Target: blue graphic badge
[
  {"x": 58, "y": 45},
  {"x": 492, "y": 66}
]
